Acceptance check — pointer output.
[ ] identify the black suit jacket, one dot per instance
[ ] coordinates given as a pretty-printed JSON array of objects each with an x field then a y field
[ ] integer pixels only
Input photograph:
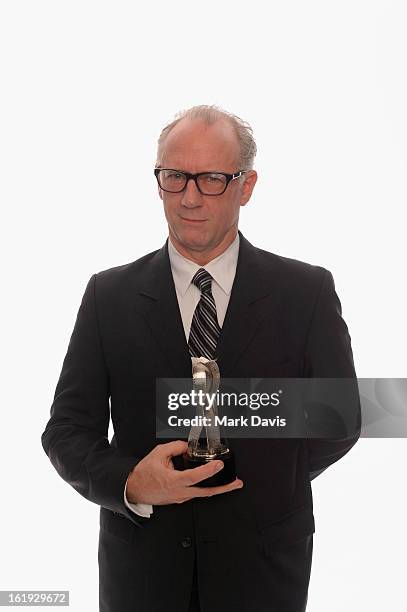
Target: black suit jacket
[{"x": 254, "y": 545}]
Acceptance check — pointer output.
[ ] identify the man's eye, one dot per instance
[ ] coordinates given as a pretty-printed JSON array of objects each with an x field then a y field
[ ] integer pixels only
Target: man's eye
[
  {"x": 213, "y": 178},
  {"x": 174, "y": 176}
]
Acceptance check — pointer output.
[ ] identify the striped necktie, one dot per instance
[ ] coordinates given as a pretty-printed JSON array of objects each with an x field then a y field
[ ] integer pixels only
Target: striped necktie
[{"x": 205, "y": 330}]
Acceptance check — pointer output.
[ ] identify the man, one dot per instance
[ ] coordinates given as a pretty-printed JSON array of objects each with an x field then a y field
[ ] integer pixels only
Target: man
[{"x": 166, "y": 543}]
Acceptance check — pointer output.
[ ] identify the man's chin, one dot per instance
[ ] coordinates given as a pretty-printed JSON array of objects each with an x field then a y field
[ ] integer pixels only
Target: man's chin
[{"x": 192, "y": 240}]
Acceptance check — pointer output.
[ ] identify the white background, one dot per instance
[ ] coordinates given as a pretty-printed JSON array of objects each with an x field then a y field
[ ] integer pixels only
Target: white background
[{"x": 85, "y": 89}]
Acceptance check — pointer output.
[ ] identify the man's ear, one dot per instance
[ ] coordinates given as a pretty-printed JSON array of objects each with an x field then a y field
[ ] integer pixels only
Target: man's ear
[{"x": 250, "y": 179}]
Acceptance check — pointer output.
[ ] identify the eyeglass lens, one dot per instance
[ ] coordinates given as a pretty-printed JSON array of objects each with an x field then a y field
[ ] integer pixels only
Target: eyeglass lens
[{"x": 210, "y": 183}]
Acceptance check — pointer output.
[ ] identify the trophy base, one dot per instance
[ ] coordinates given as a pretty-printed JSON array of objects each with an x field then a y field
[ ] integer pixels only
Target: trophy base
[{"x": 225, "y": 476}]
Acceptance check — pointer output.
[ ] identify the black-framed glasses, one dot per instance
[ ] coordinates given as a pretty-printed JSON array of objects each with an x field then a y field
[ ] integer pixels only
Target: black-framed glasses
[{"x": 208, "y": 183}]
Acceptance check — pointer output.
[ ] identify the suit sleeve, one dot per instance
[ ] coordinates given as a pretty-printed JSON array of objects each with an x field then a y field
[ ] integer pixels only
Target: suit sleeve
[
  {"x": 76, "y": 435},
  {"x": 328, "y": 354}
]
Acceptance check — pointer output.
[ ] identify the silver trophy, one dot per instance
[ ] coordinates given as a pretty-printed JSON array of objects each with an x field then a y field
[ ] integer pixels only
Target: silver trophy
[{"x": 205, "y": 442}]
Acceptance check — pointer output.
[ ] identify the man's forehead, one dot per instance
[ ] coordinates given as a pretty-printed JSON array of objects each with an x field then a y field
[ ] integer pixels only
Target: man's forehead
[{"x": 196, "y": 141}]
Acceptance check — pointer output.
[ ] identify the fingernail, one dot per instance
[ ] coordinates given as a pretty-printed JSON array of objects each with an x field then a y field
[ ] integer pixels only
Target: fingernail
[{"x": 219, "y": 466}]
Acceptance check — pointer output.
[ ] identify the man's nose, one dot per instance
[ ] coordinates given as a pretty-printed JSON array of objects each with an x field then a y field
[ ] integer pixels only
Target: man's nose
[{"x": 191, "y": 195}]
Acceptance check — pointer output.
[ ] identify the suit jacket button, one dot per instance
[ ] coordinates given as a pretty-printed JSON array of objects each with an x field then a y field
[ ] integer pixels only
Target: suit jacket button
[{"x": 186, "y": 542}]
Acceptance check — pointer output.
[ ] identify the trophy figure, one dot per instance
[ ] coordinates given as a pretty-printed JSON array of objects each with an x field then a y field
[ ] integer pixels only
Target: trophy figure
[{"x": 204, "y": 441}]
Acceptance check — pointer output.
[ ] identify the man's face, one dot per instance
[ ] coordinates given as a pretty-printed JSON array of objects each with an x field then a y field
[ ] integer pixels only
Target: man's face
[{"x": 202, "y": 226}]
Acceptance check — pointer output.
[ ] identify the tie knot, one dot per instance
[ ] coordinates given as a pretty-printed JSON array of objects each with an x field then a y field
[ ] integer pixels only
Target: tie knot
[{"x": 203, "y": 280}]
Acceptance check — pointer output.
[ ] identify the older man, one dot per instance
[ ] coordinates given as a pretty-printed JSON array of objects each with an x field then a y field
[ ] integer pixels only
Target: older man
[{"x": 167, "y": 544}]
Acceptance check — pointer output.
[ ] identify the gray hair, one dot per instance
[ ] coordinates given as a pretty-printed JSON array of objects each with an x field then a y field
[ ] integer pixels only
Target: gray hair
[{"x": 211, "y": 114}]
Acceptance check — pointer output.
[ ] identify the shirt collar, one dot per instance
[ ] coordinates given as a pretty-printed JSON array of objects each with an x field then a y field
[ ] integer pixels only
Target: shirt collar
[{"x": 222, "y": 268}]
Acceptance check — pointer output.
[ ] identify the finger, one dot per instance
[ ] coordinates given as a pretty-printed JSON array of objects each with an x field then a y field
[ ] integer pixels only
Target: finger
[
  {"x": 171, "y": 449},
  {"x": 209, "y": 491},
  {"x": 193, "y": 475}
]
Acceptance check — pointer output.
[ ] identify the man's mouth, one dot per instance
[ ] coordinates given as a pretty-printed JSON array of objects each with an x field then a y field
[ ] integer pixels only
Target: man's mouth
[{"x": 193, "y": 220}]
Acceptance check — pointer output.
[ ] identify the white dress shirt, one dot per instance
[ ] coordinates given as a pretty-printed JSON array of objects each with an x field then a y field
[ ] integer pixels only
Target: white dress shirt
[{"x": 222, "y": 270}]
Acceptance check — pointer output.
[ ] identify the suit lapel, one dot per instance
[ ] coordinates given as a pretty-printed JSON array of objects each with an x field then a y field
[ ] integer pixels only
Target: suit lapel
[
  {"x": 246, "y": 307},
  {"x": 159, "y": 304}
]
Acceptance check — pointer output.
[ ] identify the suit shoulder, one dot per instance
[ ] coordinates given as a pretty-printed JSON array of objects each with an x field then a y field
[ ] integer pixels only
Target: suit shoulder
[
  {"x": 119, "y": 274},
  {"x": 292, "y": 271},
  {"x": 297, "y": 284}
]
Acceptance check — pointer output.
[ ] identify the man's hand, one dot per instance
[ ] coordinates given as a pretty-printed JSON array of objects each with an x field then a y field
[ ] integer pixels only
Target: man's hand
[{"x": 155, "y": 481}]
